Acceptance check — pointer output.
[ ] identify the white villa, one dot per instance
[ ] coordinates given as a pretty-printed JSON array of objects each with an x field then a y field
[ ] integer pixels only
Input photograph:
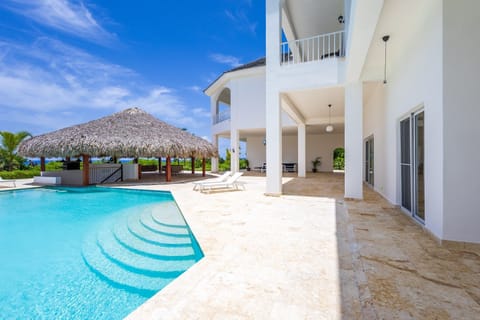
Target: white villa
[{"x": 402, "y": 79}]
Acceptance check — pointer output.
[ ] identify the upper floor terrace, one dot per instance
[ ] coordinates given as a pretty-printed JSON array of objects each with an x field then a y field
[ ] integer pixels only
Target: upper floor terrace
[{"x": 312, "y": 31}]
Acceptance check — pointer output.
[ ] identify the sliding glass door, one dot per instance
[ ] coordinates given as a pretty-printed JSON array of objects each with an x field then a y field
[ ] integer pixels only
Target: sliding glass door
[
  {"x": 369, "y": 162},
  {"x": 419, "y": 153},
  {"x": 412, "y": 151},
  {"x": 405, "y": 164}
]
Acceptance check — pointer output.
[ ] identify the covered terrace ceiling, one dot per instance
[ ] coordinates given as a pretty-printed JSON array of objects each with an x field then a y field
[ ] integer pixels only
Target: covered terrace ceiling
[
  {"x": 313, "y": 17},
  {"x": 311, "y": 107}
]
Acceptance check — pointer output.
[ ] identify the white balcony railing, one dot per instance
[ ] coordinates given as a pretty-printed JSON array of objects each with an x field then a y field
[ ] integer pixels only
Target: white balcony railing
[
  {"x": 221, "y": 116},
  {"x": 325, "y": 46}
]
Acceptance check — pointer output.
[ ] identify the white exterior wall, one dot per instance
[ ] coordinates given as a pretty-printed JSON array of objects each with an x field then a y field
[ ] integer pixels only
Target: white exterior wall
[
  {"x": 322, "y": 145},
  {"x": 248, "y": 102},
  {"x": 256, "y": 151},
  {"x": 461, "y": 95},
  {"x": 414, "y": 80},
  {"x": 318, "y": 145},
  {"x": 374, "y": 125}
]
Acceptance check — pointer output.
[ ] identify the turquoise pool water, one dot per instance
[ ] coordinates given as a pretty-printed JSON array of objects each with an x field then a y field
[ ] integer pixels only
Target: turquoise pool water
[{"x": 88, "y": 253}]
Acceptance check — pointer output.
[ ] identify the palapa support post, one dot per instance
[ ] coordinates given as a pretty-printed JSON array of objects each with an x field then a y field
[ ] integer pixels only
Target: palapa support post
[
  {"x": 42, "y": 164},
  {"x": 86, "y": 169},
  {"x": 160, "y": 165},
  {"x": 204, "y": 167},
  {"x": 193, "y": 165},
  {"x": 139, "y": 168},
  {"x": 168, "y": 170}
]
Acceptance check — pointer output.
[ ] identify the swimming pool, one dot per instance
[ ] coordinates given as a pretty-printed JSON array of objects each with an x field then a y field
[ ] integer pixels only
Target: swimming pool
[{"x": 88, "y": 253}]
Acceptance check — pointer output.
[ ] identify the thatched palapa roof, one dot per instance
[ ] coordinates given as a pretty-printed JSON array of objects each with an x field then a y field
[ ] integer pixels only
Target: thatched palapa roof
[{"x": 130, "y": 133}]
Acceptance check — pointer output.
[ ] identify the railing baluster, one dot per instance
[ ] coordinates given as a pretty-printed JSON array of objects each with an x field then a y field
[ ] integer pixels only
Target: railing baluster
[
  {"x": 311, "y": 49},
  {"x": 334, "y": 46},
  {"x": 323, "y": 46},
  {"x": 329, "y": 50}
]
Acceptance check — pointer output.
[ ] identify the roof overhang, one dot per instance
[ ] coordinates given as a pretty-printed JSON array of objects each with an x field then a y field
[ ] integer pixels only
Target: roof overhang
[{"x": 225, "y": 77}]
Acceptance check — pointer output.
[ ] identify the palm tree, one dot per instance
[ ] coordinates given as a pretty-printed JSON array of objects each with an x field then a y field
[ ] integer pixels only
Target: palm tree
[{"x": 8, "y": 147}]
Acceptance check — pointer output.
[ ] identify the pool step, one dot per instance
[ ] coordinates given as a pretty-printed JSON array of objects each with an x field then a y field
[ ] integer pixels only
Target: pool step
[
  {"x": 147, "y": 235},
  {"x": 116, "y": 276},
  {"x": 134, "y": 262},
  {"x": 141, "y": 252},
  {"x": 147, "y": 221},
  {"x": 135, "y": 244},
  {"x": 166, "y": 214}
]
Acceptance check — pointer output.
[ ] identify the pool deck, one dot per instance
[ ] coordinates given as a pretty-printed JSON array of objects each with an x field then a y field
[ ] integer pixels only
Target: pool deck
[{"x": 311, "y": 255}]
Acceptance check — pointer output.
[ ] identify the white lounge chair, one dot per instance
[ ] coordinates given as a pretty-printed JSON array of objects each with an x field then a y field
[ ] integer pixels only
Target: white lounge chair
[
  {"x": 221, "y": 178},
  {"x": 10, "y": 181},
  {"x": 231, "y": 183}
]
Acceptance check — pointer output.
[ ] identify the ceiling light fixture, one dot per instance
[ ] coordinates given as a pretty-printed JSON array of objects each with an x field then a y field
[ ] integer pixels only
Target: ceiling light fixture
[
  {"x": 329, "y": 127},
  {"x": 385, "y": 39}
]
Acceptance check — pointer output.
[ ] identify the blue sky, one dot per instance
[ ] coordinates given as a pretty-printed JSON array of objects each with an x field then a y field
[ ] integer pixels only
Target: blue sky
[{"x": 64, "y": 62}]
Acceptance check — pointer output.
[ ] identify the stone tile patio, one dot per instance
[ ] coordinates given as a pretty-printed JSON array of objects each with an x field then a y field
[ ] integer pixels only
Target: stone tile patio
[{"x": 311, "y": 255}]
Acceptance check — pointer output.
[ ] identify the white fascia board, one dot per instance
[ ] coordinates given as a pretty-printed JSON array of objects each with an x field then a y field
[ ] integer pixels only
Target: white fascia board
[
  {"x": 227, "y": 76},
  {"x": 364, "y": 16}
]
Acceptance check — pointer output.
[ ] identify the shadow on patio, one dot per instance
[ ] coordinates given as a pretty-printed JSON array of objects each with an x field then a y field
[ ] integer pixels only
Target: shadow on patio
[{"x": 389, "y": 267}]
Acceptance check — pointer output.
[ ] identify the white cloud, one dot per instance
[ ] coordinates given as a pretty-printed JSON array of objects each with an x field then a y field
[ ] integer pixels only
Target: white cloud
[
  {"x": 225, "y": 59},
  {"x": 67, "y": 16},
  {"x": 242, "y": 21},
  {"x": 50, "y": 85},
  {"x": 196, "y": 89}
]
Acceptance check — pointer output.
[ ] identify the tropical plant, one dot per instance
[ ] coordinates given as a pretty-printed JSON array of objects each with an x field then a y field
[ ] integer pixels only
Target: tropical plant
[
  {"x": 339, "y": 159},
  {"x": 315, "y": 163},
  {"x": 8, "y": 147}
]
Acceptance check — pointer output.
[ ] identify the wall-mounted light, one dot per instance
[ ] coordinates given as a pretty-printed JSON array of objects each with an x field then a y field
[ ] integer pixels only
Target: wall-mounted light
[
  {"x": 329, "y": 127},
  {"x": 385, "y": 39},
  {"x": 264, "y": 141},
  {"x": 341, "y": 19}
]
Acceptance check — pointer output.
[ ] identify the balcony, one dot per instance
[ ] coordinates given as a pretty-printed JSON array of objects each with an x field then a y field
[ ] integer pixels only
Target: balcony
[
  {"x": 221, "y": 116},
  {"x": 317, "y": 48}
]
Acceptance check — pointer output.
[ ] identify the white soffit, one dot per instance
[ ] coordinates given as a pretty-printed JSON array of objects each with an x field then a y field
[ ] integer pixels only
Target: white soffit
[
  {"x": 313, "y": 104},
  {"x": 313, "y": 17}
]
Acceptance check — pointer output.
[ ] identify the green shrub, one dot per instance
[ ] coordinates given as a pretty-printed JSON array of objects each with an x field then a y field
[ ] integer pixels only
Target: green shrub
[
  {"x": 243, "y": 163},
  {"x": 339, "y": 164},
  {"x": 20, "y": 174},
  {"x": 339, "y": 159},
  {"x": 145, "y": 162},
  {"x": 53, "y": 166}
]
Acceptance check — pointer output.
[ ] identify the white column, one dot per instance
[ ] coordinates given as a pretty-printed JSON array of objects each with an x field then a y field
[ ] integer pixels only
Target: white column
[
  {"x": 234, "y": 150},
  {"x": 302, "y": 168},
  {"x": 214, "y": 161},
  {"x": 354, "y": 140},
  {"x": 273, "y": 108}
]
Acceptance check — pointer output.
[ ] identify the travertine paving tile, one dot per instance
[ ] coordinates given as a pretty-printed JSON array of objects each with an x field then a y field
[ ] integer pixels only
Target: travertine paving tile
[{"x": 312, "y": 255}]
